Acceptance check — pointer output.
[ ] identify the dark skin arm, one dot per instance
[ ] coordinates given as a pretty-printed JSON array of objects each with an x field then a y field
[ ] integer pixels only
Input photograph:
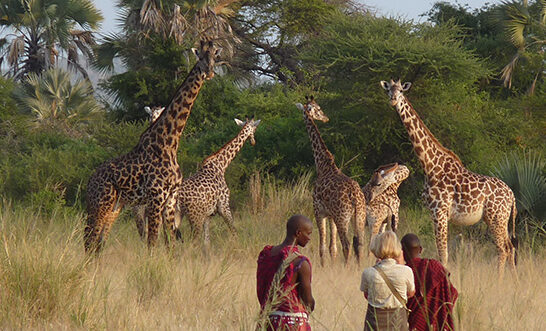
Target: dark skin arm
[{"x": 304, "y": 285}]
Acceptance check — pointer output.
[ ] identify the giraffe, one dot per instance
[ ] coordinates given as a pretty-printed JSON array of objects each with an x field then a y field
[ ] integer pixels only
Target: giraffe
[
  {"x": 138, "y": 211},
  {"x": 384, "y": 203},
  {"x": 335, "y": 196},
  {"x": 205, "y": 193},
  {"x": 149, "y": 174},
  {"x": 452, "y": 192}
]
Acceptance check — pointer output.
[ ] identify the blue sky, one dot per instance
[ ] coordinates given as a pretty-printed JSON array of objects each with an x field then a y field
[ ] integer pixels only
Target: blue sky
[{"x": 409, "y": 9}]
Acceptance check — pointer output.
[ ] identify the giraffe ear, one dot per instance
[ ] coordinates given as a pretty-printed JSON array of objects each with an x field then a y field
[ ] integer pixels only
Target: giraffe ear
[
  {"x": 406, "y": 86},
  {"x": 300, "y": 106},
  {"x": 148, "y": 110},
  {"x": 256, "y": 123},
  {"x": 195, "y": 52},
  {"x": 384, "y": 85},
  {"x": 239, "y": 122}
]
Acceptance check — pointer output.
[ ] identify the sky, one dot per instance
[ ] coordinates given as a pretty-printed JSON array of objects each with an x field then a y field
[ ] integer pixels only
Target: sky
[{"x": 408, "y": 9}]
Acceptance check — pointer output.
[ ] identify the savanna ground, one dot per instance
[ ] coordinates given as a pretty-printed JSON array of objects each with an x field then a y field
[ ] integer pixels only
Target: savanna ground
[{"x": 46, "y": 282}]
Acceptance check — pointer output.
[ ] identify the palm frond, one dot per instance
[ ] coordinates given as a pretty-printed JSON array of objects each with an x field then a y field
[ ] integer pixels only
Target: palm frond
[
  {"x": 517, "y": 19},
  {"x": 508, "y": 71},
  {"x": 523, "y": 173}
]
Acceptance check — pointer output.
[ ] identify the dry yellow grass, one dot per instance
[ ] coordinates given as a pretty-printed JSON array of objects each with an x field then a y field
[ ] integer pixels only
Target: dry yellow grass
[{"x": 47, "y": 283}]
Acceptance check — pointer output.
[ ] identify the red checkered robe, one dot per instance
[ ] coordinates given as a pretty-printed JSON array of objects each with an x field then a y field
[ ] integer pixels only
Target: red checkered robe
[
  {"x": 432, "y": 306},
  {"x": 290, "y": 303}
]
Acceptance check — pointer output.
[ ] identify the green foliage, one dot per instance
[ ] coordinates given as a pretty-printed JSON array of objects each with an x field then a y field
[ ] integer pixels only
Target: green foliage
[
  {"x": 54, "y": 99},
  {"x": 43, "y": 28},
  {"x": 157, "y": 68},
  {"x": 525, "y": 174},
  {"x": 7, "y": 104}
]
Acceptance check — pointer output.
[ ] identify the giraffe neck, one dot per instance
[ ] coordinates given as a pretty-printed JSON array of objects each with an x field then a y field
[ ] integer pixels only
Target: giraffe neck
[
  {"x": 430, "y": 152},
  {"x": 223, "y": 157},
  {"x": 164, "y": 134},
  {"x": 324, "y": 160}
]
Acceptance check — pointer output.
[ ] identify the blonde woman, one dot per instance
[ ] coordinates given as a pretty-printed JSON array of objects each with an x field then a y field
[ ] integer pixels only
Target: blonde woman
[{"x": 387, "y": 285}]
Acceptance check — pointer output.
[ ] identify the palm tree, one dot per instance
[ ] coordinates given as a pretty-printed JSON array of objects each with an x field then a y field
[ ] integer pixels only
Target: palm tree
[
  {"x": 185, "y": 21},
  {"x": 525, "y": 26},
  {"x": 37, "y": 30},
  {"x": 54, "y": 99}
]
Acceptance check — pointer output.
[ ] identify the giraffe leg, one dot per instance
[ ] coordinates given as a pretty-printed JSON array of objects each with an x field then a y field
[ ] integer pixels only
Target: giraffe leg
[
  {"x": 345, "y": 245},
  {"x": 440, "y": 231},
  {"x": 394, "y": 221},
  {"x": 505, "y": 248},
  {"x": 140, "y": 220},
  {"x": 154, "y": 215},
  {"x": 206, "y": 233},
  {"x": 225, "y": 212},
  {"x": 333, "y": 238},
  {"x": 101, "y": 212},
  {"x": 359, "y": 229},
  {"x": 376, "y": 226},
  {"x": 168, "y": 214},
  {"x": 321, "y": 225}
]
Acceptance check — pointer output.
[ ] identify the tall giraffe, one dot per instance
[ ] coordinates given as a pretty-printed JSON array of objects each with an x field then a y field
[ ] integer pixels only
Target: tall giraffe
[
  {"x": 336, "y": 196},
  {"x": 205, "y": 193},
  {"x": 382, "y": 205},
  {"x": 452, "y": 192},
  {"x": 149, "y": 174}
]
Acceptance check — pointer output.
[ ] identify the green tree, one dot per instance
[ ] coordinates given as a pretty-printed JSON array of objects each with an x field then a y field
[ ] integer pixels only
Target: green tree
[
  {"x": 154, "y": 46},
  {"x": 54, "y": 99},
  {"x": 525, "y": 27},
  {"x": 41, "y": 29}
]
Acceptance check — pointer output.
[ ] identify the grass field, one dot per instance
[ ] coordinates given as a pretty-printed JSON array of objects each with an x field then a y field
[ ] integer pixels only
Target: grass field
[{"x": 46, "y": 282}]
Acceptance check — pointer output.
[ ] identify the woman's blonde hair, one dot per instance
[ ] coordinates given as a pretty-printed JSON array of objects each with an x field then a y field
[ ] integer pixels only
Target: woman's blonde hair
[{"x": 386, "y": 245}]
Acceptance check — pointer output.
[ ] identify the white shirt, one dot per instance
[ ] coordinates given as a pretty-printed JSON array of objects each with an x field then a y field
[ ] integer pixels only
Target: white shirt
[{"x": 379, "y": 294}]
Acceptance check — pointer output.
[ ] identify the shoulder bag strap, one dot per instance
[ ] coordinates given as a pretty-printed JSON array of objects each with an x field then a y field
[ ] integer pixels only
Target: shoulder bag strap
[{"x": 391, "y": 287}]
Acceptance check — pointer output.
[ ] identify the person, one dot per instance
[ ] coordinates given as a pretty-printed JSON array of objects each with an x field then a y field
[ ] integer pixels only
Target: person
[
  {"x": 432, "y": 306},
  {"x": 387, "y": 285},
  {"x": 284, "y": 280}
]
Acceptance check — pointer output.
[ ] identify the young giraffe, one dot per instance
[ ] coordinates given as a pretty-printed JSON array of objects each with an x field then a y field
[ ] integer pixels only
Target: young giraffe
[
  {"x": 149, "y": 174},
  {"x": 205, "y": 193},
  {"x": 382, "y": 206},
  {"x": 335, "y": 195},
  {"x": 452, "y": 192}
]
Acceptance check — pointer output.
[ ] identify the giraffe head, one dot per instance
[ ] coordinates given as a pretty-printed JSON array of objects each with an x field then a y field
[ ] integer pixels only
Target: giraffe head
[
  {"x": 207, "y": 54},
  {"x": 154, "y": 112},
  {"x": 383, "y": 177},
  {"x": 395, "y": 90},
  {"x": 312, "y": 110},
  {"x": 249, "y": 127}
]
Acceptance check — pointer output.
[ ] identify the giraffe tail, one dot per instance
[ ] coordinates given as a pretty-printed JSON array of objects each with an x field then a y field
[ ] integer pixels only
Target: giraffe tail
[
  {"x": 513, "y": 215},
  {"x": 513, "y": 239}
]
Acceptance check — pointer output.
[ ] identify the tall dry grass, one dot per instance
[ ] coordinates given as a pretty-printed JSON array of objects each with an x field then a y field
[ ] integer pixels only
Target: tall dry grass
[{"x": 47, "y": 282}]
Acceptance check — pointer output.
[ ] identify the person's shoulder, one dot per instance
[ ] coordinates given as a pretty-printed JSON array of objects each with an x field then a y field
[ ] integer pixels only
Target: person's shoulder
[
  {"x": 433, "y": 264},
  {"x": 368, "y": 271},
  {"x": 265, "y": 251}
]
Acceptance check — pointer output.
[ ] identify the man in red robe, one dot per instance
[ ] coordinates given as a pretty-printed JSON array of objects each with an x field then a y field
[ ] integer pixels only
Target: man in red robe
[
  {"x": 284, "y": 280},
  {"x": 432, "y": 306}
]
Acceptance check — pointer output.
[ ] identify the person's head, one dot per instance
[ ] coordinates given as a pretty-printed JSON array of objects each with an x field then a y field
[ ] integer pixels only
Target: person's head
[
  {"x": 411, "y": 246},
  {"x": 299, "y": 228},
  {"x": 386, "y": 245}
]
